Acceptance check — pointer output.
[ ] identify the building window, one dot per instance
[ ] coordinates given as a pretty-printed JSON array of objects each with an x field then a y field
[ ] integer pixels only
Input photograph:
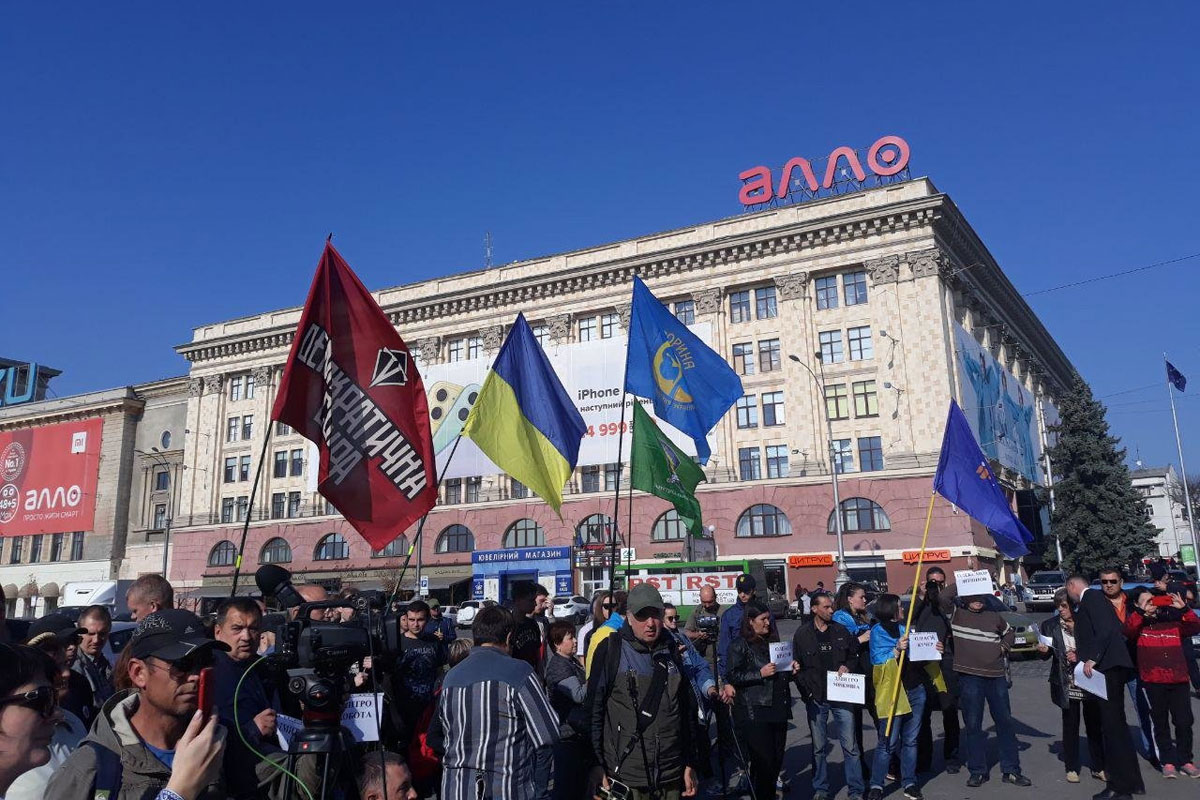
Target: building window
[
  {"x": 281, "y": 464},
  {"x": 747, "y": 411},
  {"x": 396, "y": 547},
  {"x": 866, "y": 403},
  {"x": 517, "y": 490},
  {"x": 35, "y": 548},
  {"x": 589, "y": 479},
  {"x": 854, "y": 284},
  {"x": 227, "y": 509},
  {"x": 455, "y": 351},
  {"x": 860, "y": 343},
  {"x": 860, "y": 514},
  {"x": 765, "y": 304},
  {"x": 837, "y": 403},
  {"x": 843, "y": 456},
  {"x": 474, "y": 486},
  {"x": 277, "y": 505},
  {"x": 668, "y": 528},
  {"x": 685, "y": 312},
  {"x": 524, "y": 533},
  {"x": 763, "y": 520},
  {"x": 595, "y": 529},
  {"x": 231, "y": 429},
  {"x": 250, "y": 386},
  {"x": 244, "y": 468},
  {"x": 777, "y": 461},
  {"x": 332, "y": 547},
  {"x": 473, "y": 347},
  {"x": 14, "y": 552},
  {"x": 242, "y": 508},
  {"x": 587, "y": 329},
  {"x": 612, "y": 474},
  {"x": 283, "y": 429},
  {"x": 293, "y": 509},
  {"x": 223, "y": 554},
  {"x": 831, "y": 347},
  {"x": 772, "y": 409},
  {"x": 542, "y": 334},
  {"x": 162, "y": 480},
  {"x": 827, "y": 294},
  {"x": 276, "y": 551},
  {"x": 297, "y": 463},
  {"x": 739, "y": 306},
  {"x": 870, "y": 453},
  {"x": 743, "y": 358},
  {"x": 235, "y": 388},
  {"x": 453, "y": 491},
  {"x": 56, "y": 546},
  {"x": 768, "y": 355},
  {"x": 77, "y": 546},
  {"x": 160, "y": 516},
  {"x": 608, "y": 325},
  {"x": 749, "y": 464},
  {"x": 455, "y": 539},
  {"x": 230, "y": 469},
  {"x": 247, "y": 427}
]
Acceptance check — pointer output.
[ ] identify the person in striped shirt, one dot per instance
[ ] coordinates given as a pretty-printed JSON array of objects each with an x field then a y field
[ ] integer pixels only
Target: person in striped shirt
[{"x": 493, "y": 722}]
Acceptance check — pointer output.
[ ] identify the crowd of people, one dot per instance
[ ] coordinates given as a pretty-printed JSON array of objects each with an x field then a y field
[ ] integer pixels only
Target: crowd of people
[{"x": 625, "y": 708}]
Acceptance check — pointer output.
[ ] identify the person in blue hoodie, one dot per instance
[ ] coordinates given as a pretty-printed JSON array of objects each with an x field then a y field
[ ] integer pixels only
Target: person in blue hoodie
[{"x": 851, "y": 614}]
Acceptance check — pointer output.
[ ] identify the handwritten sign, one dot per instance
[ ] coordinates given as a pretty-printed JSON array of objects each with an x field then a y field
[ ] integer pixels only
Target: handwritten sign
[
  {"x": 923, "y": 647},
  {"x": 781, "y": 656},
  {"x": 971, "y": 582},
  {"x": 360, "y": 717},
  {"x": 847, "y": 688},
  {"x": 286, "y": 729}
]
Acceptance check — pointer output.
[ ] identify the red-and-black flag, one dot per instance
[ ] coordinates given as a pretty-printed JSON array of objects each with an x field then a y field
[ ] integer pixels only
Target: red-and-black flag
[{"x": 351, "y": 387}]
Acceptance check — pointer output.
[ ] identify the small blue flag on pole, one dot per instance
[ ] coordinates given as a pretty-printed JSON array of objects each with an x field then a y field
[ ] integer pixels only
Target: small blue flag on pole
[
  {"x": 690, "y": 385},
  {"x": 1177, "y": 378},
  {"x": 965, "y": 479}
]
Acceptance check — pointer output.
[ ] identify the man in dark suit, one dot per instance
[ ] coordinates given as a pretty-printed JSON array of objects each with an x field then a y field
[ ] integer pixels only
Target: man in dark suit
[{"x": 1100, "y": 646}]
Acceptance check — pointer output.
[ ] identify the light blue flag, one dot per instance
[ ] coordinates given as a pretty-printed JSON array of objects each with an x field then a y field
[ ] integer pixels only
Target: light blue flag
[{"x": 690, "y": 385}]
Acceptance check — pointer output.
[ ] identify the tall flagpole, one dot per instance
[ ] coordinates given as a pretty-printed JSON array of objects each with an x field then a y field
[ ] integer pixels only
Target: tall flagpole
[
  {"x": 1187, "y": 497},
  {"x": 616, "y": 526}
]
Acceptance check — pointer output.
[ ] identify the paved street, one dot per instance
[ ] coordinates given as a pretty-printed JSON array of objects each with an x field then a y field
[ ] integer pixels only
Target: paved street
[{"x": 1038, "y": 731}]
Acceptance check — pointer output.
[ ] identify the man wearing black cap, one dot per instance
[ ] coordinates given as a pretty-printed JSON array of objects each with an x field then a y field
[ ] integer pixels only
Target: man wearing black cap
[
  {"x": 78, "y": 697},
  {"x": 133, "y": 740}
]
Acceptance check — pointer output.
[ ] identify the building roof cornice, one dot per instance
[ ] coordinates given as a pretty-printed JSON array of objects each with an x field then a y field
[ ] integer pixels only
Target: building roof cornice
[{"x": 71, "y": 409}]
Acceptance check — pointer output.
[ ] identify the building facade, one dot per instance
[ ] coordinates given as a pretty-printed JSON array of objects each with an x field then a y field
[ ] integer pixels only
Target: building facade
[
  {"x": 863, "y": 312},
  {"x": 1165, "y": 512}
]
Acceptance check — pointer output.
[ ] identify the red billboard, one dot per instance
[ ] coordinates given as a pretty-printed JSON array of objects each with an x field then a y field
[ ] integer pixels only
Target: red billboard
[{"x": 48, "y": 478}]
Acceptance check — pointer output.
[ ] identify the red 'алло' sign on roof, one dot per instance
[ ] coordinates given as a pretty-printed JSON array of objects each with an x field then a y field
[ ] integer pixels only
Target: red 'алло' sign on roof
[{"x": 887, "y": 159}]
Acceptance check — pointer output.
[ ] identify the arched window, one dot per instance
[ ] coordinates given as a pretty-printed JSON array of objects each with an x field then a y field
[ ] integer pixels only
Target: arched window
[
  {"x": 524, "y": 533},
  {"x": 596, "y": 529},
  {"x": 763, "y": 520},
  {"x": 332, "y": 547},
  {"x": 396, "y": 547},
  {"x": 668, "y": 528},
  {"x": 223, "y": 555},
  {"x": 861, "y": 514},
  {"x": 275, "y": 551},
  {"x": 456, "y": 539}
]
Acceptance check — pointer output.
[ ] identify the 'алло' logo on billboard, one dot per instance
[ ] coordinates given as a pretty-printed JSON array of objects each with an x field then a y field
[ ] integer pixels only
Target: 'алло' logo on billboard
[{"x": 671, "y": 362}]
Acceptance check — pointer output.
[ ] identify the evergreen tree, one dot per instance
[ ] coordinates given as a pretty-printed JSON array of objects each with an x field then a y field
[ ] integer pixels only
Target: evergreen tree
[{"x": 1098, "y": 516}]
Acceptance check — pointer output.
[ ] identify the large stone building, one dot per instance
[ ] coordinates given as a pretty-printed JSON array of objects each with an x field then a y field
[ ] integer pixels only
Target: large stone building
[
  {"x": 873, "y": 309},
  {"x": 1157, "y": 485}
]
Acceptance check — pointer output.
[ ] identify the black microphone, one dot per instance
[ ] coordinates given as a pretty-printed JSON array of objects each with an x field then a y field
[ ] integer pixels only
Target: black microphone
[{"x": 273, "y": 579}]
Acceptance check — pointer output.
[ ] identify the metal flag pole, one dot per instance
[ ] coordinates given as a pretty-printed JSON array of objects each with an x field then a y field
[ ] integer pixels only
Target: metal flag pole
[
  {"x": 262, "y": 458},
  {"x": 1187, "y": 497},
  {"x": 612, "y": 554},
  {"x": 416, "y": 543}
]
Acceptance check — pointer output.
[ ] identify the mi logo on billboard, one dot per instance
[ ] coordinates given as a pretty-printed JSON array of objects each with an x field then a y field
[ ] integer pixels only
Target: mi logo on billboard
[{"x": 20, "y": 384}]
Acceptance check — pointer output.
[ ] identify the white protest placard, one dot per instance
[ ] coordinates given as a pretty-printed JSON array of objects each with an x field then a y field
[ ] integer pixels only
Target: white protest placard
[
  {"x": 1046, "y": 640},
  {"x": 970, "y": 582},
  {"x": 286, "y": 729},
  {"x": 923, "y": 647},
  {"x": 781, "y": 656},
  {"x": 361, "y": 716},
  {"x": 847, "y": 688},
  {"x": 1094, "y": 685}
]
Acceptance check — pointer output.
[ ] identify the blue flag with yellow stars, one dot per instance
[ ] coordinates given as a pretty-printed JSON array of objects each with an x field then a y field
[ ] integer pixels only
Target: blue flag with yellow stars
[{"x": 690, "y": 384}]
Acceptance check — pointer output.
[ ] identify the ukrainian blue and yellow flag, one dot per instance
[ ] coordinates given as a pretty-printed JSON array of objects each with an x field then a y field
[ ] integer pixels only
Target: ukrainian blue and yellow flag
[{"x": 524, "y": 420}]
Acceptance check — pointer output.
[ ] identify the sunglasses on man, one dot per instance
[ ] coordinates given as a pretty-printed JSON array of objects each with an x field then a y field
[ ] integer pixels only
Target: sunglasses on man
[
  {"x": 189, "y": 664},
  {"x": 1110, "y": 581},
  {"x": 43, "y": 700}
]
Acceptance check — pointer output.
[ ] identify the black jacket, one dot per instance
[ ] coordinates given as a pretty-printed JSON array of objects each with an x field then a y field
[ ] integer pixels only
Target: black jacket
[
  {"x": 1098, "y": 634},
  {"x": 1059, "y": 668},
  {"x": 807, "y": 650},
  {"x": 757, "y": 698}
]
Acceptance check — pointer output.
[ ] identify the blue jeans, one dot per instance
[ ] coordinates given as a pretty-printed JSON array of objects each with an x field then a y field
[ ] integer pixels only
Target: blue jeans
[
  {"x": 973, "y": 691},
  {"x": 1142, "y": 707},
  {"x": 818, "y": 722},
  {"x": 905, "y": 730}
]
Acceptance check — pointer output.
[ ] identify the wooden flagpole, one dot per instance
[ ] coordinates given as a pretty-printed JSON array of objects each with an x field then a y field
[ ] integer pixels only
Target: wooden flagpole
[{"x": 908, "y": 625}]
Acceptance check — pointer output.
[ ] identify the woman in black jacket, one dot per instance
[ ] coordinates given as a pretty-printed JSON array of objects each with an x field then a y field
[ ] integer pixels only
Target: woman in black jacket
[
  {"x": 1069, "y": 697},
  {"x": 763, "y": 703},
  {"x": 567, "y": 688}
]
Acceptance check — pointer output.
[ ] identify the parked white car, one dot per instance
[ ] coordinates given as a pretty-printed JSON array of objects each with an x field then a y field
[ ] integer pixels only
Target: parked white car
[
  {"x": 467, "y": 611},
  {"x": 570, "y": 607}
]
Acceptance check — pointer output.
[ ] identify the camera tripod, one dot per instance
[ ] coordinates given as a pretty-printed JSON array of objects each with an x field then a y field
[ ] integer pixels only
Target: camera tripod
[
  {"x": 318, "y": 756},
  {"x": 724, "y": 730}
]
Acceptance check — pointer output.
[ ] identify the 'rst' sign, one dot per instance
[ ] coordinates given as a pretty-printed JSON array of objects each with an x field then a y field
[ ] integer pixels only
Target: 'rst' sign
[{"x": 683, "y": 588}]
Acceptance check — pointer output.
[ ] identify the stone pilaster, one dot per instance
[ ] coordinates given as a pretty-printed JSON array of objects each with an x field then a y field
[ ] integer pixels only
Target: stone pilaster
[
  {"x": 883, "y": 270},
  {"x": 708, "y": 301},
  {"x": 625, "y": 310},
  {"x": 492, "y": 337},
  {"x": 429, "y": 349},
  {"x": 793, "y": 286},
  {"x": 560, "y": 328}
]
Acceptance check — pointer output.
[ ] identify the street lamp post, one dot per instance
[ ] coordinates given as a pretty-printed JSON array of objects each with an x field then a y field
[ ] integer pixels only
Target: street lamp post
[
  {"x": 161, "y": 460},
  {"x": 842, "y": 576}
]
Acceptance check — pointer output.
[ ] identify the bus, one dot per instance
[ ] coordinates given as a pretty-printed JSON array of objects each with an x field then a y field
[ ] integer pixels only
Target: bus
[{"x": 680, "y": 582}]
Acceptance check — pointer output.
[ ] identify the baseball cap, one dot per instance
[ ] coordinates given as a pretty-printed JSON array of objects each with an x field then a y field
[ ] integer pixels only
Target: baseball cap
[
  {"x": 433, "y": 603},
  {"x": 746, "y": 582},
  {"x": 170, "y": 635},
  {"x": 644, "y": 596},
  {"x": 57, "y": 625}
]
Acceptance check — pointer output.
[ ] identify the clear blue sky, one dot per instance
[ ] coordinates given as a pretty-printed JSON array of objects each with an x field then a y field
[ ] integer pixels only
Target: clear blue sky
[{"x": 166, "y": 165}]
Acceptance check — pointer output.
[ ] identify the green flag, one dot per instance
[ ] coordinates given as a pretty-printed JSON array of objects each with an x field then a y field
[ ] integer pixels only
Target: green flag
[{"x": 663, "y": 470}]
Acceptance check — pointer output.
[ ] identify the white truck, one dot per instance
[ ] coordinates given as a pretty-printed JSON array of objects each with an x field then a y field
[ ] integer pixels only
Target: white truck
[{"x": 78, "y": 595}]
